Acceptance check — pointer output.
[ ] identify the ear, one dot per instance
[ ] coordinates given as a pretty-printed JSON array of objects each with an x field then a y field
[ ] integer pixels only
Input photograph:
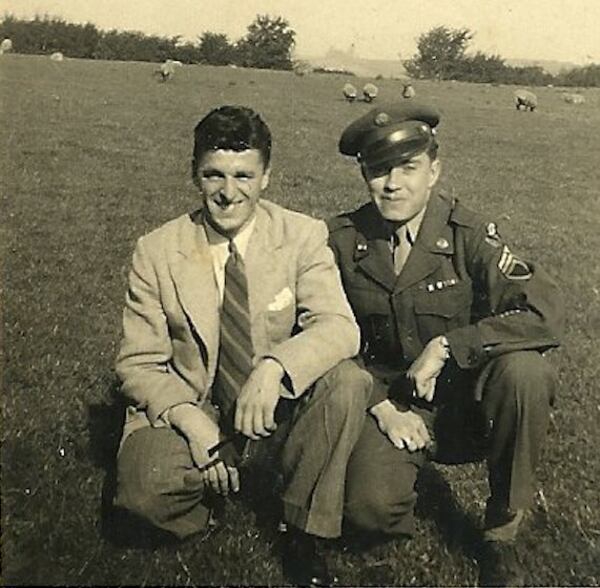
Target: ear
[
  {"x": 194, "y": 170},
  {"x": 436, "y": 168},
  {"x": 264, "y": 182}
]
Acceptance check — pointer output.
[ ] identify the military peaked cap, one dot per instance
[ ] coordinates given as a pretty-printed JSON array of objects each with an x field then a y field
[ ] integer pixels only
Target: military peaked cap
[{"x": 390, "y": 133}]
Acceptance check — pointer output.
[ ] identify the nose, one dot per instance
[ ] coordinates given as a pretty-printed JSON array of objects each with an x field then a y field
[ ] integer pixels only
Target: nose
[
  {"x": 393, "y": 179},
  {"x": 229, "y": 188}
]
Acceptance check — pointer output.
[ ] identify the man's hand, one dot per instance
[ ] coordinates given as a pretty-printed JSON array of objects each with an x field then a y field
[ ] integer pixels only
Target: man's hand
[
  {"x": 403, "y": 429},
  {"x": 427, "y": 367},
  {"x": 222, "y": 478},
  {"x": 199, "y": 430},
  {"x": 255, "y": 406}
]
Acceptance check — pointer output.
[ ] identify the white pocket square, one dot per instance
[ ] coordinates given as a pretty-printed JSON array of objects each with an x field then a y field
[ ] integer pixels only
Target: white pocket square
[{"x": 282, "y": 299}]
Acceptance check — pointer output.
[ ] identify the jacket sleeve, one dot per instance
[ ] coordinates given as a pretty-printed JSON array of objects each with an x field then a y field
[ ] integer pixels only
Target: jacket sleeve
[
  {"x": 144, "y": 360},
  {"x": 517, "y": 306},
  {"x": 327, "y": 332}
]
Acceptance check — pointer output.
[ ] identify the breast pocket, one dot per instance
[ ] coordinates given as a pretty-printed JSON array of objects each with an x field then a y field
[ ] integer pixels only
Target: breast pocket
[
  {"x": 441, "y": 310},
  {"x": 280, "y": 315}
]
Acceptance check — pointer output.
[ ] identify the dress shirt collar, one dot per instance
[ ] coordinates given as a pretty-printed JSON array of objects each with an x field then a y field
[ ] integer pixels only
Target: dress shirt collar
[
  {"x": 413, "y": 226},
  {"x": 241, "y": 240}
]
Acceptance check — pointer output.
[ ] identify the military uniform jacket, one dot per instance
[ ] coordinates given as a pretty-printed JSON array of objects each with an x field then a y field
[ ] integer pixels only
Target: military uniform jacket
[{"x": 460, "y": 280}]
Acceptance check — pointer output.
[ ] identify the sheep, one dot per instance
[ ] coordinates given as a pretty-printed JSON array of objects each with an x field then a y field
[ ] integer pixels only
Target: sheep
[
  {"x": 349, "y": 92},
  {"x": 165, "y": 71},
  {"x": 525, "y": 98},
  {"x": 408, "y": 91},
  {"x": 6, "y": 46},
  {"x": 174, "y": 62},
  {"x": 370, "y": 92},
  {"x": 57, "y": 56},
  {"x": 573, "y": 98},
  {"x": 301, "y": 68}
]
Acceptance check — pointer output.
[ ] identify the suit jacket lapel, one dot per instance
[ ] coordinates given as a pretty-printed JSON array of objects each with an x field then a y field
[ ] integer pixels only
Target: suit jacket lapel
[
  {"x": 195, "y": 283},
  {"x": 260, "y": 260}
]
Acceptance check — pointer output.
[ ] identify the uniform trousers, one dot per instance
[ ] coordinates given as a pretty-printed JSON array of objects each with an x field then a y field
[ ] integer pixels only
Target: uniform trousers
[
  {"x": 157, "y": 480},
  {"x": 500, "y": 413}
]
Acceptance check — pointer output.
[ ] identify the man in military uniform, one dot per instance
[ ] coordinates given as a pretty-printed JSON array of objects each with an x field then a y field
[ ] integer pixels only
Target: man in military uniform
[{"x": 454, "y": 326}]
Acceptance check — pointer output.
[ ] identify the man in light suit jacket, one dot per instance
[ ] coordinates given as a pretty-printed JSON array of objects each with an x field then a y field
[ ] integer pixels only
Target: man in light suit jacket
[{"x": 175, "y": 366}]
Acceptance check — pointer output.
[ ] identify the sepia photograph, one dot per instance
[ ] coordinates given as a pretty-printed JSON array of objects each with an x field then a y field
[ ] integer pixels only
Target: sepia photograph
[{"x": 300, "y": 293}]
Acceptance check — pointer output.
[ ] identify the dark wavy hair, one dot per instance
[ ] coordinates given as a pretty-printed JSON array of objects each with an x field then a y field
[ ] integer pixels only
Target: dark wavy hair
[{"x": 234, "y": 128}]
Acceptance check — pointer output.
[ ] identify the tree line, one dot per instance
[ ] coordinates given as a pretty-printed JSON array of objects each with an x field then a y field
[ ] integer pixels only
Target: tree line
[
  {"x": 442, "y": 55},
  {"x": 267, "y": 44}
]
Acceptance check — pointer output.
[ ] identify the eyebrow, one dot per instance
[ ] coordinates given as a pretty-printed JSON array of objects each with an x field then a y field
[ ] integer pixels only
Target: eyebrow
[{"x": 211, "y": 171}]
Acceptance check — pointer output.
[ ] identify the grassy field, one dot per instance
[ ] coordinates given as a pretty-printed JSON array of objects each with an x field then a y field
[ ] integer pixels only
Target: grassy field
[{"x": 93, "y": 154}]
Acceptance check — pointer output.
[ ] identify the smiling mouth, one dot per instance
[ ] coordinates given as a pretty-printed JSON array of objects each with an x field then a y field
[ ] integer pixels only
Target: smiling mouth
[{"x": 227, "y": 205}]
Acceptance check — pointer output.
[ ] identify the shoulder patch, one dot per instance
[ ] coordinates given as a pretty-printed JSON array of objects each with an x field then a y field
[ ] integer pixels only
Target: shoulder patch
[
  {"x": 492, "y": 237},
  {"x": 511, "y": 267}
]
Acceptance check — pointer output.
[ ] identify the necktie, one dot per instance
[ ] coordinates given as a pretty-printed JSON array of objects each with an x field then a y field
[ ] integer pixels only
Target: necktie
[
  {"x": 235, "y": 349},
  {"x": 401, "y": 249}
]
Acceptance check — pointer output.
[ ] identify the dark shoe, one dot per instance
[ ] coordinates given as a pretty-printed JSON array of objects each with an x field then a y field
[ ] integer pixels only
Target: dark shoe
[
  {"x": 499, "y": 565},
  {"x": 303, "y": 563}
]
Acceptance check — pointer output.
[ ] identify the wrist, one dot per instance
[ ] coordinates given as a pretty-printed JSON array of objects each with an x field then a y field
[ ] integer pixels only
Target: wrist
[
  {"x": 443, "y": 346},
  {"x": 273, "y": 366},
  {"x": 382, "y": 409},
  {"x": 180, "y": 414}
]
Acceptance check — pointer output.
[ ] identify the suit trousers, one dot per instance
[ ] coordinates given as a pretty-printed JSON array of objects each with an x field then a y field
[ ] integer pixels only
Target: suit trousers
[
  {"x": 158, "y": 481},
  {"x": 500, "y": 413}
]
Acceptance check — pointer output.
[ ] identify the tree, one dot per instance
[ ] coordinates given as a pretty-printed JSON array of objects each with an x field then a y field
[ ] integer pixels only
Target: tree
[
  {"x": 216, "y": 49},
  {"x": 268, "y": 44},
  {"x": 440, "y": 52}
]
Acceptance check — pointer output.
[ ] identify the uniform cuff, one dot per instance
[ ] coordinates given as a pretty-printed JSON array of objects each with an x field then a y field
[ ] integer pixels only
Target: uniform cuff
[
  {"x": 466, "y": 347},
  {"x": 379, "y": 392}
]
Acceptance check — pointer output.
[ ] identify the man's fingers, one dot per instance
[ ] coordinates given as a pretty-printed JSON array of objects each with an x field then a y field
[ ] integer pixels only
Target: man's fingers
[
  {"x": 218, "y": 478},
  {"x": 410, "y": 443},
  {"x": 213, "y": 478},
  {"x": 223, "y": 476},
  {"x": 246, "y": 421},
  {"x": 239, "y": 416},
  {"x": 269, "y": 419},
  {"x": 234, "y": 479},
  {"x": 397, "y": 442},
  {"x": 430, "y": 390},
  {"x": 422, "y": 429},
  {"x": 258, "y": 426}
]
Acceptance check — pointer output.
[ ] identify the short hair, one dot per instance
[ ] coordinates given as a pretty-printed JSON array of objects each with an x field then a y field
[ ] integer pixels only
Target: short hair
[{"x": 235, "y": 128}]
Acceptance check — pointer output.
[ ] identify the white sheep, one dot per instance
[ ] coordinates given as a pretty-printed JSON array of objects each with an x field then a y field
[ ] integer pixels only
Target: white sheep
[
  {"x": 570, "y": 98},
  {"x": 350, "y": 92},
  {"x": 408, "y": 91},
  {"x": 57, "y": 56},
  {"x": 301, "y": 68},
  {"x": 165, "y": 71},
  {"x": 525, "y": 98},
  {"x": 174, "y": 62},
  {"x": 370, "y": 92},
  {"x": 6, "y": 46}
]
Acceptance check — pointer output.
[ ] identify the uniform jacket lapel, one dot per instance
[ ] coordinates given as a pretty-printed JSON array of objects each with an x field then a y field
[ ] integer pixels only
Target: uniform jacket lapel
[
  {"x": 435, "y": 239},
  {"x": 372, "y": 250}
]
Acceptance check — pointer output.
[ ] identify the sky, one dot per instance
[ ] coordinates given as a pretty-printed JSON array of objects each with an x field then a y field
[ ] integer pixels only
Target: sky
[{"x": 562, "y": 30}]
